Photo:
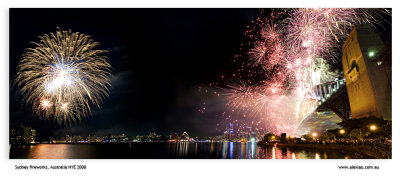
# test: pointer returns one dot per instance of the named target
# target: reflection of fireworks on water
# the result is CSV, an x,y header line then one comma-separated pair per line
x,y
63,75
290,47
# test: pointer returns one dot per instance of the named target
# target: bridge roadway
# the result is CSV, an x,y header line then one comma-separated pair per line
x,y
332,96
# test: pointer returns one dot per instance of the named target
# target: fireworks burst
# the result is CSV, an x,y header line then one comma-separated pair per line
x,y
63,76
293,48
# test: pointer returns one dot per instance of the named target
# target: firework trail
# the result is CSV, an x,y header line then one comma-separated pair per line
x,y
290,47
63,76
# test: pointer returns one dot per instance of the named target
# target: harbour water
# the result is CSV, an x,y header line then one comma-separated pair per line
x,y
172,150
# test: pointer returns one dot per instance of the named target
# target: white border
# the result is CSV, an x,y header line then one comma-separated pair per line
x,y
192,168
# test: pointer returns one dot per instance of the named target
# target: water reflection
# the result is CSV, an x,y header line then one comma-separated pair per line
x,y
230,150
317,156
253,146
182,149
195,150
224,150
273,153
47,151
51,151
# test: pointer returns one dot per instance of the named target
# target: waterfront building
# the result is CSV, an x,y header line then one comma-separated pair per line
x,y
152,135
253,136
76,139
22,135
175,136
16,135
68,139
185,136
91,138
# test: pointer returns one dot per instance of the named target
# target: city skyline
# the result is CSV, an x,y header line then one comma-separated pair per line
x,y
162,97
260,79
237,89
24,137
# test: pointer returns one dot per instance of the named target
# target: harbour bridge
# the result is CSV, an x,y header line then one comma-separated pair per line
x,y
365,90
333,96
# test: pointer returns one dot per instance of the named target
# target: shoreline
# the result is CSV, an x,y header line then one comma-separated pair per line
x,y
361,149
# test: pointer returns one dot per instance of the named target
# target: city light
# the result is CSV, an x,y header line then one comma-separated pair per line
x,y
270,99
371,54
372,127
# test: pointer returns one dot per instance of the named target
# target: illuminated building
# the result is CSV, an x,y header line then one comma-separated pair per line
x,y
152,135
367,70
22,135
76,139
16,135
113,138
185,136
91,138
68,138
175,137
254,136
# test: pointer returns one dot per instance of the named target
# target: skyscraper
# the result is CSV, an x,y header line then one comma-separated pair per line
x,y
22,135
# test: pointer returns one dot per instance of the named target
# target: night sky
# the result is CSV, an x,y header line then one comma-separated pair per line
x,y
159,57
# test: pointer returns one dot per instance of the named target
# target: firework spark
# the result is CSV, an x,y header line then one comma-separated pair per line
x,y
293,52
63,76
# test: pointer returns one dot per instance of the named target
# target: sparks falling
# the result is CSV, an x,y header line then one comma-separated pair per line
x,y
293,48
63,76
